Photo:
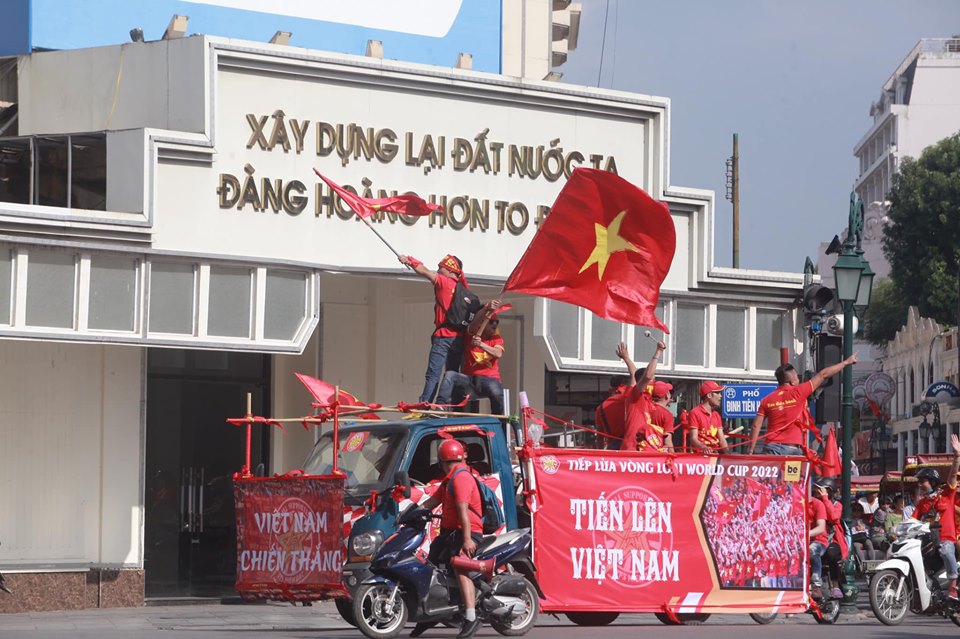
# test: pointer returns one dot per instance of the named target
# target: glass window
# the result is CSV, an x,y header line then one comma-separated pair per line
x,y
171,298
51,283
605,337
229,309
731,323
691,325
286,304
51,167
6,285
769,338
564,322
113,290
88,180
15,171
642,343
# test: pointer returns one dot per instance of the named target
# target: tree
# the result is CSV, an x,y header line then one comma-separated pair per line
x,y
886,314
922,240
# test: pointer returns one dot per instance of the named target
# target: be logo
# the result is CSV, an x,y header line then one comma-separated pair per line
x,y
791,471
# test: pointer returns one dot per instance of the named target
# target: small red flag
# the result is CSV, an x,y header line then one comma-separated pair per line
x,y
366,206
324,393
830,466
606,246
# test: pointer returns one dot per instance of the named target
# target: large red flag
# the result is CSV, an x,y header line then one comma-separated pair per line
x,y
366,206
830,465
606,246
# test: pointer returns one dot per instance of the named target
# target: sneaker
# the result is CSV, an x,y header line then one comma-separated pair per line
x,y
836,593
815,591
469,628
952,593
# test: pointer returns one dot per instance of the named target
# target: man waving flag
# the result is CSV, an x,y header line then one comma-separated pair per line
x,y
606,246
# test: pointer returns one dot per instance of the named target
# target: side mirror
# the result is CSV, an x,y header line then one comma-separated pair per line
x,y
402,478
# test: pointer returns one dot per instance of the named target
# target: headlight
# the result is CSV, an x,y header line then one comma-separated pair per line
x,y
366,544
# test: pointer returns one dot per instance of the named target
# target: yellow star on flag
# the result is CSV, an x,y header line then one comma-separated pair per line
x,y
608,243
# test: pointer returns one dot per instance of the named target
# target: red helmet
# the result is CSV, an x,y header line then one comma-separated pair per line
x,y
451,450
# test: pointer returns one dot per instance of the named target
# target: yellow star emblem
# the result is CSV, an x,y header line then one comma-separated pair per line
x,y
608,243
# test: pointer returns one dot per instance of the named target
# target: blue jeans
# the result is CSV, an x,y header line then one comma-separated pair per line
x,y
949,554
445,355
816,562
783,449
455,387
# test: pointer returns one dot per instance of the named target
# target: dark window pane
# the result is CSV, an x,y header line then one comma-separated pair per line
x,y
15,171
89,172
51,181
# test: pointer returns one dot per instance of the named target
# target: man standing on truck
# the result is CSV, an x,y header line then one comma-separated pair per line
x,y
786,411
481,370
662,417
706,427
640,429
446,343
461,527
610,416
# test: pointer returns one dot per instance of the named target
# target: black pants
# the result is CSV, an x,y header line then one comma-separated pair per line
x,y
448,544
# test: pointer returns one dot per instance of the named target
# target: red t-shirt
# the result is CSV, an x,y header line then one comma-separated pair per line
x,y
664,418
784,409
815,510
465,490
611,414
708,425
443,288
939,507
479,362
639,420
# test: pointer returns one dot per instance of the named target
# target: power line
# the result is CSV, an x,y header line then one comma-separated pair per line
x,y
603,42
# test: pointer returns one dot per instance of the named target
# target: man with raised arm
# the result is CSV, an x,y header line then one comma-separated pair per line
x,y
640,433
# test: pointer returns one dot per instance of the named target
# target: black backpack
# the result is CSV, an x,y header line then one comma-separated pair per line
x,y
464,305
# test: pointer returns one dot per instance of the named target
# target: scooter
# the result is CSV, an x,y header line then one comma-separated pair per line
x,y
825,608
913,578
405,586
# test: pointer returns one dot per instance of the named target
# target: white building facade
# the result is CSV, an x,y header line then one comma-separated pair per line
x,y
166,249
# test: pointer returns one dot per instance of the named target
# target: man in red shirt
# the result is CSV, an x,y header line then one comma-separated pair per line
x,y
610,415
662,417
461,527
481,370
937,505
706,427
817,520
786,410
446,343
640,408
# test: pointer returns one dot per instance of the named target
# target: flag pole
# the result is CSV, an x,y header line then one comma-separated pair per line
x,y
377,233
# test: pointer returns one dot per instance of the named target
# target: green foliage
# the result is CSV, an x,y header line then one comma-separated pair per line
x,y
886,314
922,241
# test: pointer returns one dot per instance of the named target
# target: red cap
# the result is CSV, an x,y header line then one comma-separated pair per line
x,y
709,387
660,389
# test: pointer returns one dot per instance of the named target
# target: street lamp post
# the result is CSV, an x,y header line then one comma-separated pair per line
x,y
851,274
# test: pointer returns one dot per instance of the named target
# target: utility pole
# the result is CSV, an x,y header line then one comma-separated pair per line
x,y
733,195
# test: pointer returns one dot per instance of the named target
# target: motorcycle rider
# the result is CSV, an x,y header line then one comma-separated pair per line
x,y
936,504
461,528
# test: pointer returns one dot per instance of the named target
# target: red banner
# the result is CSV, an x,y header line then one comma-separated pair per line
x,y
684,533
289,537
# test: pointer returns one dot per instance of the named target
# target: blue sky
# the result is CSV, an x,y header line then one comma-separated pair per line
x,y
795,78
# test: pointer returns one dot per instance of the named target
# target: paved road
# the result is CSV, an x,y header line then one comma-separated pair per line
x,y
279,621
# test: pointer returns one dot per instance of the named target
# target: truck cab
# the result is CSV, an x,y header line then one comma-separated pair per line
x,y
376,457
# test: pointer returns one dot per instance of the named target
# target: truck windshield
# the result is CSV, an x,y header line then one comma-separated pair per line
x,y
367,457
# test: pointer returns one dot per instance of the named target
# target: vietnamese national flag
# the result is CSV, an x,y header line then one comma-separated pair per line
x,y
364,207
606,246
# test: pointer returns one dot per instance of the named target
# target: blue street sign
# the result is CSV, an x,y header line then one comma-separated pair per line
x,y
743,400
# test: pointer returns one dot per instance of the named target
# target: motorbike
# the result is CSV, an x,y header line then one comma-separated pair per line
x,y
825,608
913,579
405,586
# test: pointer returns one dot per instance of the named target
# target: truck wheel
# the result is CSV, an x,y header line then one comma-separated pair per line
x,y
376,616
685,618
523,622
763,618
592,618
345,608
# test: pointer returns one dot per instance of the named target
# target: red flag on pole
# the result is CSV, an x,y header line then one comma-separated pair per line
x,y
364,207
324,393
606,246
830,465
